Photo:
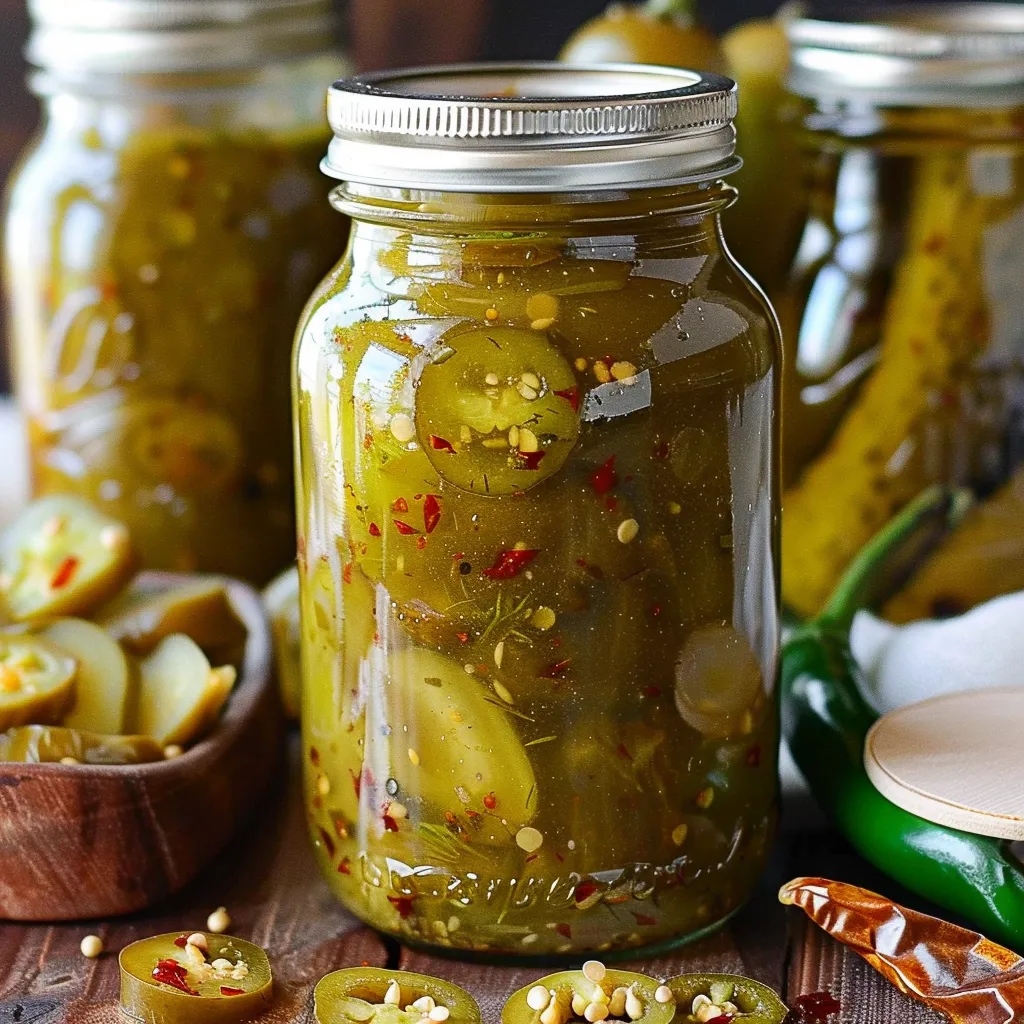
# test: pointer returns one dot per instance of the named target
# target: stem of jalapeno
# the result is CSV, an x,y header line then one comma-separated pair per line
x,y
825,721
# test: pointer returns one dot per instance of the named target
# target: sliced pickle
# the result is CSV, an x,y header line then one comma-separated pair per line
x,y
141,618
359,995
591,994
180,695
281,598
61,556
37,681
497,409
48,744
698,996
168,979
104,675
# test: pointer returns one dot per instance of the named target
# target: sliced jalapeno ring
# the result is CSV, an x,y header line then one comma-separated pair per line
x,y
363,994
37,681
699,996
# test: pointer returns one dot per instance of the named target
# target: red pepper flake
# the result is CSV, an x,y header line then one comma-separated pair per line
x,y
656,610
644,919
439,444
181,941
346,573
170,972
314,757
559,857
572,396
652,691
604,478
421,543
623,752
556,670
345,867
449,817
473,814
400,505
357,782
225,991
533,856
431,513
564,930
816,1007
934,244
490,801
328,840
463,638
611,503
390,825
529,460
65,571
374,530
403,904
593,570
754,756
661,450
509,564
405,529
584,890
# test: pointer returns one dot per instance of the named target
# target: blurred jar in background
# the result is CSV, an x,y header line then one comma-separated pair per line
x,y
164,231
904,314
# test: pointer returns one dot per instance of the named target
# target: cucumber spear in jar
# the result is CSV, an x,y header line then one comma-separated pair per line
x,y
361,995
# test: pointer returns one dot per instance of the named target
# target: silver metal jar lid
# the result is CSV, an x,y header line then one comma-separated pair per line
x,y
533,127
923,54
156,36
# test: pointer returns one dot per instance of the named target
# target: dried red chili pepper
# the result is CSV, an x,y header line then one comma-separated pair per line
x,y
439,444
572,396
403,904
225,991
953,970
511,563
374,530
404,528
431,513
170,972
65,571
181,941
604,478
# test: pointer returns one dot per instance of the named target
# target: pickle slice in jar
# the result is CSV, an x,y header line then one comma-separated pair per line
x,y
194,979
180,694
61,556
592,994
703,997
360,995
497,409
281,599
50,744
140,618
37,681
104,676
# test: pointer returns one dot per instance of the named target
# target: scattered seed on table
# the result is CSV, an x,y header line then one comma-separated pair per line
x,y
219,921
92,946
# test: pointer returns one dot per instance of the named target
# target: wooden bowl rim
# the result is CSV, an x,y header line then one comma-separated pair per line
x,y
255,676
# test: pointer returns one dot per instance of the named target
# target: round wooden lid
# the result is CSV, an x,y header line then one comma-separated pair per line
x,y
956,760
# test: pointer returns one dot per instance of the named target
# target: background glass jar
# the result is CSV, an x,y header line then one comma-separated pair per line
x,y
164,232
536,433
903,318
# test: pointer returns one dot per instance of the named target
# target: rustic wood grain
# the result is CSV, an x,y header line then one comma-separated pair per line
x,y
90,841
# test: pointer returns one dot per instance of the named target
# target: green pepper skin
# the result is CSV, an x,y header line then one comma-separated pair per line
x,y
825,721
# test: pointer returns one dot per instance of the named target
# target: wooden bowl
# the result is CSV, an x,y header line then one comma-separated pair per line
x,y
86,841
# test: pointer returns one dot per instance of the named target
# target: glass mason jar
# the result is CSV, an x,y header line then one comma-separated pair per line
x,y
163,234
903,318
535,411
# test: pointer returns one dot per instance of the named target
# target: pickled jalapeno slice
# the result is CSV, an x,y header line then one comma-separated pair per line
x,y
592,994
496,409
37,681
724,998
360,995
52,744
61,556
202,978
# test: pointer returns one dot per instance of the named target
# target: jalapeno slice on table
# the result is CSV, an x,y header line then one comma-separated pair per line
x,y
592,994
496,410
61,556
194,979
37,681
725,998
360,995
52,744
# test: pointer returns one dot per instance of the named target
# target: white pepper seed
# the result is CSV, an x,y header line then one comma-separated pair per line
x,y
538,998
403,430
594,970
70,760
198,939
219,921
627,531
92,946
617,1003
595,1012
491,379
634,1007
528,440
526,391
663,994
529,839
439,1014
543,618
579,1004
393,996
424,1004
531,380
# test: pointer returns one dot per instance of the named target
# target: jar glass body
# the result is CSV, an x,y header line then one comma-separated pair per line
x,y
163,234
904,335
536,503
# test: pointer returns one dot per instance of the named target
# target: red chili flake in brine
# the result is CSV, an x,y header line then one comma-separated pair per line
x,y
357,782
564,930
328,840
374,530
585,890
754,756
644,919
314,757
390,825
405,529
403,904
181,941
572,396
623,752
225,991
463,638
816,1007
652,691
400,505
604,478
490,801
509,564
556,670
346,573
722,1018
65,571
529,460
439,444
170,972
431,513
421,543
345,867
